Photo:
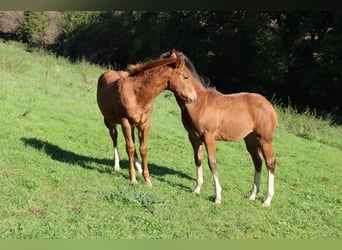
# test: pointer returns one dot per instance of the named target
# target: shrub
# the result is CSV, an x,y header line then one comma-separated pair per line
x,y
32,29
10,22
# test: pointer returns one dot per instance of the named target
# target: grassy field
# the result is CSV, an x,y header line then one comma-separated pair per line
x,y
57,181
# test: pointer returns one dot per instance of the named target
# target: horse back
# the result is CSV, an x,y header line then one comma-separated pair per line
x,y
236,115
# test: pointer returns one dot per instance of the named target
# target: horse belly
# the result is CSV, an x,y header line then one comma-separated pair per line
x,y
233,132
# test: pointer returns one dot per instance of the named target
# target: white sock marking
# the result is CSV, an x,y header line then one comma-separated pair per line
x,y
270,191
256,186
218,190
138,165
199,180
116,159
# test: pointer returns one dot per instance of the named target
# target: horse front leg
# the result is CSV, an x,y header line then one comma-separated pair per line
x,y
130,147
143,135
198,154
209,140
136,159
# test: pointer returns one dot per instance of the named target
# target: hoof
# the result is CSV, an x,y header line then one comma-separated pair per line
x,y
149,183
196,192
251,198
217,201
116,168
265,204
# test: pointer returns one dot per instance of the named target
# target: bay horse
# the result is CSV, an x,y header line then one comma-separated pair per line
x,y
231,117
126,98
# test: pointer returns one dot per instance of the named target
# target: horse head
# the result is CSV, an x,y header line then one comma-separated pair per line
x,y
181,81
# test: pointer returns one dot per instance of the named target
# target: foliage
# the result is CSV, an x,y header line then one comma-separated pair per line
x,y
57,180
292,55
10,21
75,24
31,30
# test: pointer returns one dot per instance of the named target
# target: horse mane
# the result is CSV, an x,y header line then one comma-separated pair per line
x,y
205,81
135,69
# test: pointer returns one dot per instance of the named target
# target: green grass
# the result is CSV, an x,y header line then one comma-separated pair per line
x,y
57,181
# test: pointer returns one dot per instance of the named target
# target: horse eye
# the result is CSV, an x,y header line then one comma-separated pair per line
x,y
185,77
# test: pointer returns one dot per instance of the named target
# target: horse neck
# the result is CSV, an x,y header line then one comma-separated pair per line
x,y
201,92
200,89
152,85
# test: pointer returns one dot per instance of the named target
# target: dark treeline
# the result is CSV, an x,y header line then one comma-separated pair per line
x,y
289,56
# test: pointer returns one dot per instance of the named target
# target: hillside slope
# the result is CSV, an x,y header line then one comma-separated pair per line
x,y
57,181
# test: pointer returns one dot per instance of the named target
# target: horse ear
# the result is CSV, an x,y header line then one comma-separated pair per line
x,y
173,53
180,61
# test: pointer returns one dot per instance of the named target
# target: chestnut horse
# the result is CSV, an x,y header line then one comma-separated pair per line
x,y
232,117
126,98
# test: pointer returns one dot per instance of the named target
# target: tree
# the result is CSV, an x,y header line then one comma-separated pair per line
x,y
32,29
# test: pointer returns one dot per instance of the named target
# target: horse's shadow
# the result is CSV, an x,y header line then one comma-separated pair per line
x,y
101,165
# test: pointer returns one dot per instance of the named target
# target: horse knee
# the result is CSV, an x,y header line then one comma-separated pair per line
x,y
271,163
213,166
143,151
130,148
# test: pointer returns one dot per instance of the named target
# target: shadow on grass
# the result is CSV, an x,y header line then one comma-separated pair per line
x,y
58,154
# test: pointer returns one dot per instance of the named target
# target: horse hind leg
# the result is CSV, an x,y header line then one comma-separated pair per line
x,y
130,147
114,135
137,163
254,150
270,159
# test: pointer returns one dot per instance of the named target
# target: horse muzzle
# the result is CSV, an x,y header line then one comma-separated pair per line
x,y
191,99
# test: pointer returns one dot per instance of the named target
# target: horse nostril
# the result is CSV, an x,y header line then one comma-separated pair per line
x,y
192,99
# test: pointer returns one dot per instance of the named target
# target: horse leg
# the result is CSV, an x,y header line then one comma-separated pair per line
x,y
114,135
209,141
198,153
130,147
254,150
143,134
270,159
137,163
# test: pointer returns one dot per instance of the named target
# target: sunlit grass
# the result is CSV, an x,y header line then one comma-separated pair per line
x,y
57,179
